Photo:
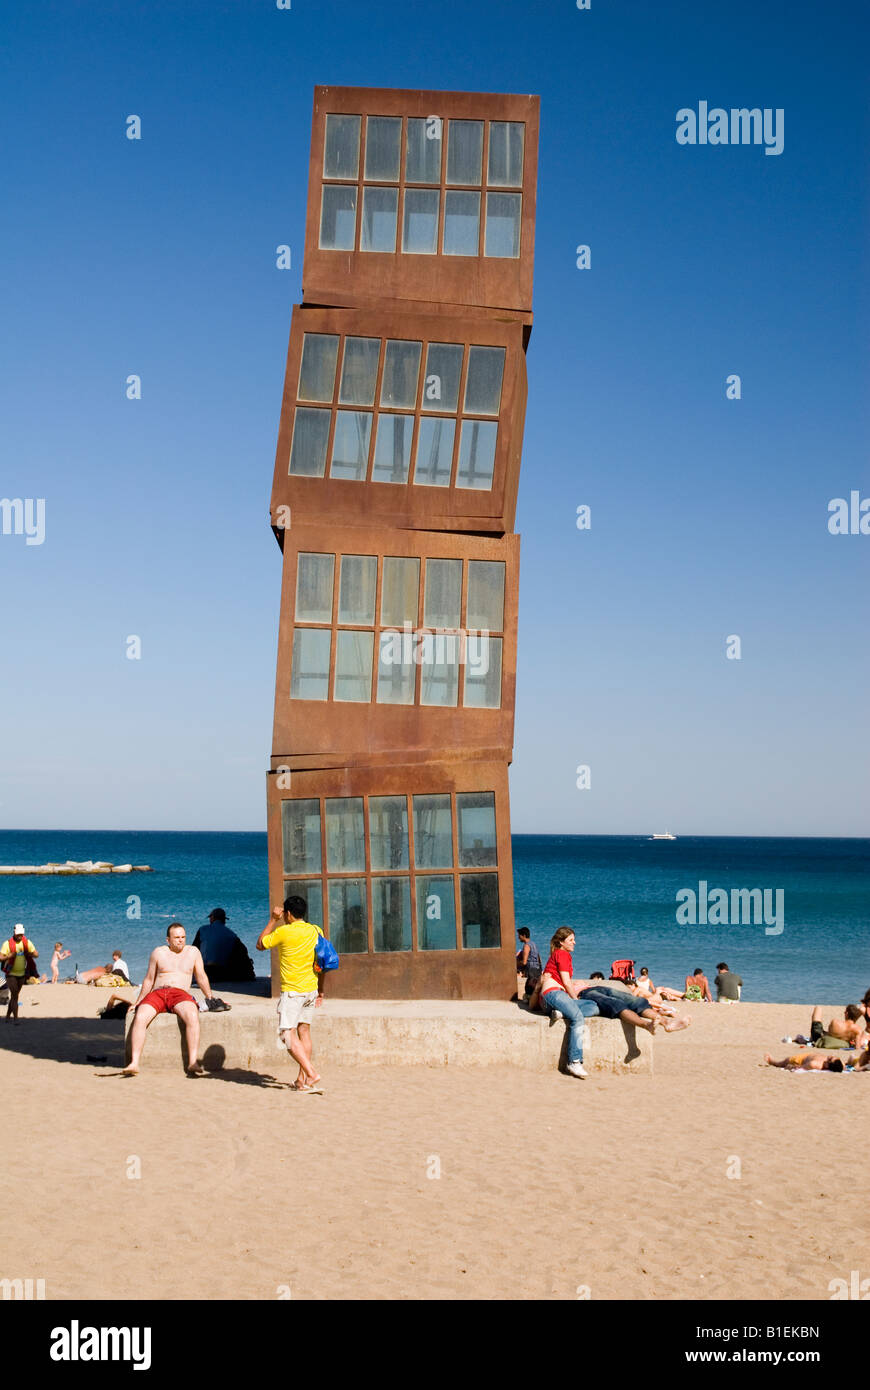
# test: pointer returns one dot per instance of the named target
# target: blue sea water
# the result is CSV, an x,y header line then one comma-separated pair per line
x,y
618,892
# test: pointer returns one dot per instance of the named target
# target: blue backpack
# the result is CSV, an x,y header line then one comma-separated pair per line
x,y
325,955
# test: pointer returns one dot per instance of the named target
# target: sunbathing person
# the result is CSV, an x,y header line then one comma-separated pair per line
x,y
806,1061
617,1002
849,1031
698,987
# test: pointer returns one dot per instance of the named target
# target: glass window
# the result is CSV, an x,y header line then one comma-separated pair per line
x,y
475,814
391,914
396,669
314,577
483,384
433,832
477,454
310,437
505,162
485,607
436,913
401,373
317,372
443,370
439,680
443,593
359,371
311,889
341,147
393,448
388,832
338,217
353,666
379,219
350,445
383,138
480,914
310,677
400,592
483,672
461,224
420,221
503,224
348,923
464,151
356,593
300,829
423,152
345,836
434,459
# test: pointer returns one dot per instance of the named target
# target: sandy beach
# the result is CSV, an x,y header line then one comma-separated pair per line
x,y
550,1188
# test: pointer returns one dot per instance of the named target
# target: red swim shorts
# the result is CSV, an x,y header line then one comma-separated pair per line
x,y
164,1000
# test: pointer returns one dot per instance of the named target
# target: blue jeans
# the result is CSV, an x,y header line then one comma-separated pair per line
x,y
575,1011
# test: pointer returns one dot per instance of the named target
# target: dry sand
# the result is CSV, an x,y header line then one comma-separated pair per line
x,y
547,1185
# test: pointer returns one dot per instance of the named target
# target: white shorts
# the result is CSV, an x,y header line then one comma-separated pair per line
x,y
294,1009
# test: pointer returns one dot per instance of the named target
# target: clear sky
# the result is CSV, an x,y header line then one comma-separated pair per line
x,y
709,516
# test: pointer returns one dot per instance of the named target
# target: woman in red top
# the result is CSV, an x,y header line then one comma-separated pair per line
x,y
559,995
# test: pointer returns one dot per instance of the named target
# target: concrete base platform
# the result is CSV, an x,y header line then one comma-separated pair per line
x,y
422,1032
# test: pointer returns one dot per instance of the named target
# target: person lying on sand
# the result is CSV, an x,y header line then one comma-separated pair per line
x,y
806,1061
87,977
165,989
849,1031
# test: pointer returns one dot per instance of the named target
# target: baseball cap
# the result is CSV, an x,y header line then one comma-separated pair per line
x,y
18,929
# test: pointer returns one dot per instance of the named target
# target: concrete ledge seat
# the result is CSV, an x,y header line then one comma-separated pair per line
x,y
420,1032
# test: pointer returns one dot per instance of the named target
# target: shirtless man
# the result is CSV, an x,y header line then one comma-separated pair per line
x,y
165,990
806,1061
849,1031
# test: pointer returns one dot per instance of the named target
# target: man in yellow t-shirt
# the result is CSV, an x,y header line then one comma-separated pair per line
x,y
19,947
295,939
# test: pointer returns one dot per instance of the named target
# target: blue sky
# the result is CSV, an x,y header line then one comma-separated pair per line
x,y
709,516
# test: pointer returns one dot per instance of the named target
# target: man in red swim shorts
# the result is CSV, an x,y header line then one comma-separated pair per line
x,y
165,990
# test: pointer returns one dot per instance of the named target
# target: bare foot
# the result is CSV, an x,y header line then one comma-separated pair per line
x,y
676,1025
768,1059
196,1070
130,1071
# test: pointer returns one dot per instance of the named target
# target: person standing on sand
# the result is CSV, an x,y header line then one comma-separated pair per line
x,y
301,988
529,965
164,990
57,955
18,955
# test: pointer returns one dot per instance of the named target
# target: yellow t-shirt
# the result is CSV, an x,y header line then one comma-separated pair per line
x,y
295,942
19,963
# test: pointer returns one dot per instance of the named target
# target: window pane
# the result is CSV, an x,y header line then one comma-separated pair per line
x,y
311,889
443,370
348,925
393,449
317,372
391,914
356,594
461,224
353,666
300,828
420,221
396,669
379,219
388,832
480,915
503,224
476,454
483,672
485,608
314,575
464,151
359,371
401,372
338,217
439,681
310,677
310,437
442,599
341,147
423,152
483,384
505,161
434,452
433,832
345,836
436,913
475,813
383,138
350,445
401,588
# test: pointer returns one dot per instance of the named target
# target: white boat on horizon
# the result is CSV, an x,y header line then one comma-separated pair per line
x,y
666,836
